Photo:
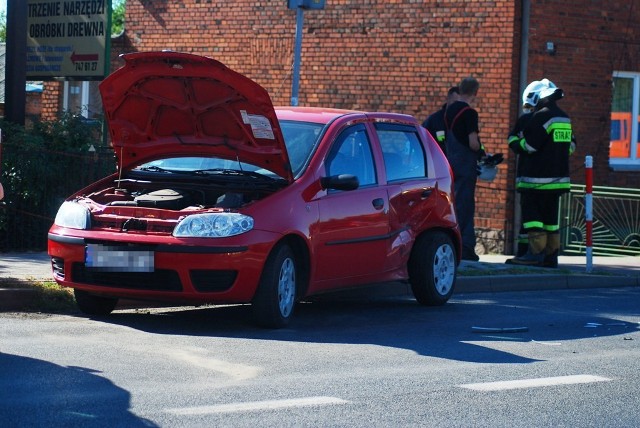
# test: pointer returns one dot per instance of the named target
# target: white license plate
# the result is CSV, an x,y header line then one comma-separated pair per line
x,y
118,259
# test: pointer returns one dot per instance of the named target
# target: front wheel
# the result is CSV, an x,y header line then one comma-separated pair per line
x,y
275,298
432,269
91,304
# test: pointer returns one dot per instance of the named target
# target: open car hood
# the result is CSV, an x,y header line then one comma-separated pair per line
x,y
162,104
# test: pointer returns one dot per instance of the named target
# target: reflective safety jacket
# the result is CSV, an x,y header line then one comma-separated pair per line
x,y
436,127
544,147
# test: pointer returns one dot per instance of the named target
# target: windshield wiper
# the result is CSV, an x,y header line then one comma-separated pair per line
x,y
153,168
234,172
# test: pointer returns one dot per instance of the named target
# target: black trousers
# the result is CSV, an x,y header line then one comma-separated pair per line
x,y
540,211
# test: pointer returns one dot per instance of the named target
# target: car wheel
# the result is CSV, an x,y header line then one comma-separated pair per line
x,y
94,305
275,298
432,269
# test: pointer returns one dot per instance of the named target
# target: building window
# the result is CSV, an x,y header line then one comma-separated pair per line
x,y
83,98
625,105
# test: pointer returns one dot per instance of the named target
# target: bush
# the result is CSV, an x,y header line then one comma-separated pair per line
x,y
41,166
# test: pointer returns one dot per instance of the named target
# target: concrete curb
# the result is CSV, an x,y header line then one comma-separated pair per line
x,y
14,299
489,275
506,283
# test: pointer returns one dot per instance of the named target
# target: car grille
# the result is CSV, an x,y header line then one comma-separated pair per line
x,y
212,280
159,280
58,266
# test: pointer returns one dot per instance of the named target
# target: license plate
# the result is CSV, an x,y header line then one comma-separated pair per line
x,y
118,259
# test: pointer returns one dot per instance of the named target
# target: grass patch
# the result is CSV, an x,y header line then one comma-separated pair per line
x,y
52,298
46,296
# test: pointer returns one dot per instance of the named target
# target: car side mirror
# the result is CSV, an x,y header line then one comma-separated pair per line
x,y
340,182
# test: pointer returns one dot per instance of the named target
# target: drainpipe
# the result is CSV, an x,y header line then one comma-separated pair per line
x,y
524,64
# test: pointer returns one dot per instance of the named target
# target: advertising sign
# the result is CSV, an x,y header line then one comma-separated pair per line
x,y
67,39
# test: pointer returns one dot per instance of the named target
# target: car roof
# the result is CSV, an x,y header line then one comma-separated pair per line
x,y
325,115
311,114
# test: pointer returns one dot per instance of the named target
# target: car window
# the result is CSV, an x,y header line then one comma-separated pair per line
x,y
200,163
351,154
301,139
403,153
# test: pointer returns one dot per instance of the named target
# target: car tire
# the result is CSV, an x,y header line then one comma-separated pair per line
x,y
275,297
432,269
91,304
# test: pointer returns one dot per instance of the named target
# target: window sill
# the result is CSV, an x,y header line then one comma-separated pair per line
x,y
625,166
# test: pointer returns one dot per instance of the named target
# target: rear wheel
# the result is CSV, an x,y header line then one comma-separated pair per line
x,y
275,298
432,269
94,305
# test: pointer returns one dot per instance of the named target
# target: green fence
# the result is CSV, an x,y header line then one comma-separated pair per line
x,y
35,183
616,221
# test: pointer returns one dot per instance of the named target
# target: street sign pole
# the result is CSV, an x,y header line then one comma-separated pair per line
x,y
297,54
14,83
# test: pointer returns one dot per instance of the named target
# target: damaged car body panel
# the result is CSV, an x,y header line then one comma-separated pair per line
x,y
221,198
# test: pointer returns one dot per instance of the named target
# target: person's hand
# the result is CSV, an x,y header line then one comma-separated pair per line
x,y
493,159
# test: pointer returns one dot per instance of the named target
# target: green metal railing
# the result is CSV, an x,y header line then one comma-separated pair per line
x,y
616,221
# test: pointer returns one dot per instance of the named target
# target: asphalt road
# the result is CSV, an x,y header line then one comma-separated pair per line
x,y
526,359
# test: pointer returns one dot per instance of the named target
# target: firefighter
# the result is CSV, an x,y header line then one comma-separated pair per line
x,y
528,104
435,122
545,146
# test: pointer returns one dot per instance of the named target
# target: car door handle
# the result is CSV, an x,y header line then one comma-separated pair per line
x,y
378,203
426,193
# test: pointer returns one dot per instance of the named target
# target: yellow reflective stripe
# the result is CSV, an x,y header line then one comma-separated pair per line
x,y
541,225
560,129
513,138
533,225
543,186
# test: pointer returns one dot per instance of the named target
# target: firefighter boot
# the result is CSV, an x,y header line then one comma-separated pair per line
x,y
523,244
551,250
535,254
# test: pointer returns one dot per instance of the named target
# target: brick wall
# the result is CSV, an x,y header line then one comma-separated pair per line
x,y
592,40
402,55
379,54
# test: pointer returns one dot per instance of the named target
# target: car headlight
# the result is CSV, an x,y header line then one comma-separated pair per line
x,y
213,225
73,215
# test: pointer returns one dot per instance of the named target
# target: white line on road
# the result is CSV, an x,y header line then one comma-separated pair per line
x,y
534,383
257,405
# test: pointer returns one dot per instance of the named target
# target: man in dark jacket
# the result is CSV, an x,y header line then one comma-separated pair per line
x,y
435,122
463,151
546,144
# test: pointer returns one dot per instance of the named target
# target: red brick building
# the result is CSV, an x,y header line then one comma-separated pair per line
x,y
402,55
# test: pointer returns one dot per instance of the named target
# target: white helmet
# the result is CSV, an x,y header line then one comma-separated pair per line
x,y
537,90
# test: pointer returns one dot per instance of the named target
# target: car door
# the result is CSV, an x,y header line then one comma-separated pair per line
x,y
412,194
352,234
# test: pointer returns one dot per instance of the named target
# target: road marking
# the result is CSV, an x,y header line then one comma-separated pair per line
x,y
534,383
234,370
258,405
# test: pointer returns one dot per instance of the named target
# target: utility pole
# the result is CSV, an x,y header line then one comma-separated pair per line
x,y
300,6
16,64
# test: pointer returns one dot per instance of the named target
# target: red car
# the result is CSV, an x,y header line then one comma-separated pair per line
x,y
221,198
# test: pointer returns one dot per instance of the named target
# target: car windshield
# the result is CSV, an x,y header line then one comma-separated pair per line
x,y
300,139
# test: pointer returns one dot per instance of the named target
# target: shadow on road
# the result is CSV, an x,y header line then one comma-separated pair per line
x,y
38,393
444,332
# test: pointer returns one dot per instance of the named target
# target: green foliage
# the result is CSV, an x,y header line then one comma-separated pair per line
x,y
42,166
117,17
3,27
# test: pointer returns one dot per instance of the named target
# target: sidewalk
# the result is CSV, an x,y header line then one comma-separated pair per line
x,y
489,275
